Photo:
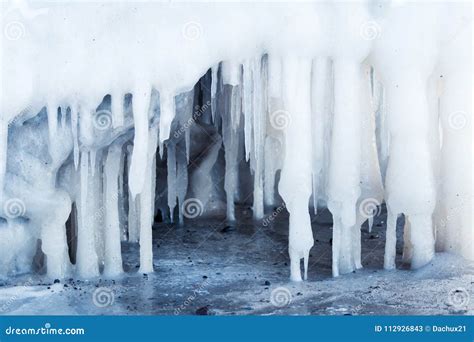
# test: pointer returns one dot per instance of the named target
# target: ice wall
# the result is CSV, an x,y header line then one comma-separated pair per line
x,y
112,112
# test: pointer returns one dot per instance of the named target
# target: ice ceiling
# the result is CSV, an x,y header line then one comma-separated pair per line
x,y
317,104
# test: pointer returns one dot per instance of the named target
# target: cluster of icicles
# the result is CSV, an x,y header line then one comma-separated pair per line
x,y
338,131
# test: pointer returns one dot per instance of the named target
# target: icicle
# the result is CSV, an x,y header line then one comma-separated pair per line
x,y
167,112
133,208
86,258
52,109
454,227
113,254
410,185
214,81
344,169
274,139
247,106
147,205
93,159
230,73
231,145
259,132
371,194
297,190
171,164
141,104
117,109
75,128
182,184
391,240
320,94
95,202
371,223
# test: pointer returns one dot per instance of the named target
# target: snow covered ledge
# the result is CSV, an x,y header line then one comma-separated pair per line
x,y
355,103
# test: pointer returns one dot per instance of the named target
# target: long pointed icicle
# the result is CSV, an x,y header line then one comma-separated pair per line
x,y
319,120
147,205
141,105
167,113
259,131
344,169
297,190
113,254
133,208
87,261
247,106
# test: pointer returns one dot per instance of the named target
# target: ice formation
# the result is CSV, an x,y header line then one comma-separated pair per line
x,y
113,112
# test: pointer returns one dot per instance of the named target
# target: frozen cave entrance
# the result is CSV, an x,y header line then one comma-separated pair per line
x,y
207,176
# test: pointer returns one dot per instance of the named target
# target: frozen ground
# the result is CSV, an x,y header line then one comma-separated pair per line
x,y
213,268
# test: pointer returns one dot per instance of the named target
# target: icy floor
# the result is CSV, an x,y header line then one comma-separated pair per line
x,y
212,268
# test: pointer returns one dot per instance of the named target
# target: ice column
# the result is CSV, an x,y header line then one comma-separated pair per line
x,y
344,168
410,187
141,105
320,104
113,254
296,176
147,201
86,258
231,76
